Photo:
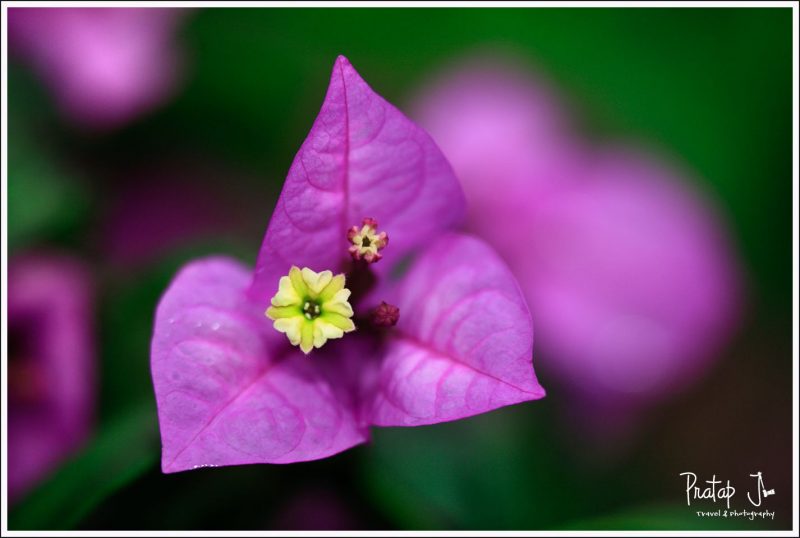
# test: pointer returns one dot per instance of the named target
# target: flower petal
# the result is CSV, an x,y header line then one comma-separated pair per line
x,y
362,158
336,284
316,282
464,341
338,304
323,331
228,389
298,283
337,320
287,295
292,326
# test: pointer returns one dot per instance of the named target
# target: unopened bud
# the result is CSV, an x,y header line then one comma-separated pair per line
x,y
385,315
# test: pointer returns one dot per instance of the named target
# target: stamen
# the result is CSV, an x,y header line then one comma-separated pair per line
x,y
311,310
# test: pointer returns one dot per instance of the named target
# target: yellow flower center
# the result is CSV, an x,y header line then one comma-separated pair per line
x,y
311,308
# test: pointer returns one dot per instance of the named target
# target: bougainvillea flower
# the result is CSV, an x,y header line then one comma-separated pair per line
x,y
232,383
626,267
50,365
105,65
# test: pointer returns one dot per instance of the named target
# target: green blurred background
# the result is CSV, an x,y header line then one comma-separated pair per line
x,y
709,86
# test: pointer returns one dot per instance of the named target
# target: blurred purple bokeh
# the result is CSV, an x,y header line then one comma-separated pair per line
x,y
629,272
105,66
51,364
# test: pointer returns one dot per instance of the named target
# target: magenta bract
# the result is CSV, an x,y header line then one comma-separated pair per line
x,y
232,390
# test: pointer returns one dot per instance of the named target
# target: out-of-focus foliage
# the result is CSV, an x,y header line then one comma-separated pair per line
x,y
45,200
117,455
666,517
487,472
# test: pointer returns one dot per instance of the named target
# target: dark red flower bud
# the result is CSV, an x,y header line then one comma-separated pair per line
x,y
385,315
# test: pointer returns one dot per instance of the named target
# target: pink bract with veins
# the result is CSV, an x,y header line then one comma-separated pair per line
x,y
230,388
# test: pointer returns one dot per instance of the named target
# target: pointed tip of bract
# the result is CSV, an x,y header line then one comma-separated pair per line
x,y
341,75
167,467
342,61
343,66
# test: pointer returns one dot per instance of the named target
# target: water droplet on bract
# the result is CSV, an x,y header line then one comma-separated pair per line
x,y
215,327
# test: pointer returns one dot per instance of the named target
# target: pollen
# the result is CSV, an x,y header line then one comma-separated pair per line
x,y
366,241
311,308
